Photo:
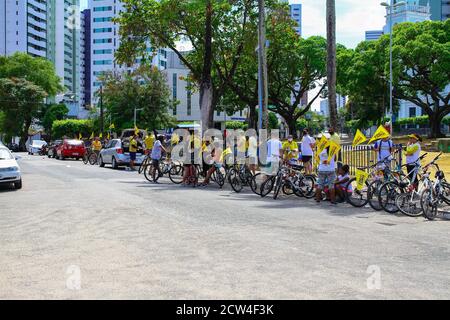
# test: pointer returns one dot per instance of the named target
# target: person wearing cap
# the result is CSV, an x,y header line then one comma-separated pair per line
x,y
413,150
290,149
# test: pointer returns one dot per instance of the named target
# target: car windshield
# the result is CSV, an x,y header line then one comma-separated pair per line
x,y
75,142
5,154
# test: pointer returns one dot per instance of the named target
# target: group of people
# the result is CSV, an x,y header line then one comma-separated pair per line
x,y
332,175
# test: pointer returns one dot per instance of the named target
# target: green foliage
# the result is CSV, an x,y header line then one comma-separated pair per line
x,y
52,113
316,123
72,128
273,121
236,125
146,88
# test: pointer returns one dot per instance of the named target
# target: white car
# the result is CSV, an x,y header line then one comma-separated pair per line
x,y
9,169
36,146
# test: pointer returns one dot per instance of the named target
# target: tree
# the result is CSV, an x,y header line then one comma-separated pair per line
x,y
72,128
20,102
421,60
145,88
163,23
357,68
25,83
331,62
52,113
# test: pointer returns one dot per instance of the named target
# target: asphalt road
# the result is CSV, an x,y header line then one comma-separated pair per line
x,y
82,232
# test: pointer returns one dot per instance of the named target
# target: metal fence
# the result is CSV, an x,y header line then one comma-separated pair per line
x,y
362,156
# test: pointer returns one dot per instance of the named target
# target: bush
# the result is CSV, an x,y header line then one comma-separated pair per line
x,y
234,125
72,128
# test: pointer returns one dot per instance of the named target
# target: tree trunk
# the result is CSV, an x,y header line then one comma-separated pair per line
x,y
435,119
253,118
292,125
206,86
331,63
24,135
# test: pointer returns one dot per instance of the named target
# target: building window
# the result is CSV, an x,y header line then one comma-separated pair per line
x,y
412,112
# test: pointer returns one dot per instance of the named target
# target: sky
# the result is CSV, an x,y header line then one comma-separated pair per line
x,y
353,19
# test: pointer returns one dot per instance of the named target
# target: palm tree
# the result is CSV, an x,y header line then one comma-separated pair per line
x,y
331,62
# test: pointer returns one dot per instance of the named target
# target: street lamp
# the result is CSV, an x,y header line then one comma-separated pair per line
x,y
135,111
385,4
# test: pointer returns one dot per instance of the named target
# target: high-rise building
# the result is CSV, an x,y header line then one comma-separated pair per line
x,y
85,58
47,29
296,15
406,11
340,101
105,41
373,35
439,9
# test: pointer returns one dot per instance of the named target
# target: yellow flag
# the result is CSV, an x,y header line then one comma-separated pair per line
x,y
112,126
109,136
381,133
225,152
175,139
322,144
80,136
92,136
359,138
136,130
101,135
334,149
361,178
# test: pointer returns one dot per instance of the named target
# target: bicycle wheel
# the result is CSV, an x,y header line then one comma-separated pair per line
x,y
306,186
374,191
144,164
93,159
446,192
388,193
218,177
255,183
357,198
288,189
235,181
151,173
409,204
429,206
86,158
176,174
267,186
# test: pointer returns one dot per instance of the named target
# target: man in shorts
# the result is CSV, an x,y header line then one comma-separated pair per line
x,y
326,176
308,145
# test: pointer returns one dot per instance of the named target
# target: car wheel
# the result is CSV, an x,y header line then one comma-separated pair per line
x,y
114,163
18,185
101,164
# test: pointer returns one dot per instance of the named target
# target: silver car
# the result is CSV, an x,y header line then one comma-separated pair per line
x,y
117,155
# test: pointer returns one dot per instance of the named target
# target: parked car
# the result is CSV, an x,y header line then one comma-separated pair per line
x,y
126,135
14,147
51,152
9,169
36,146
71,149
115,154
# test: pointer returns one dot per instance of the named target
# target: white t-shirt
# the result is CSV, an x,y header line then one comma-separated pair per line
x,y
385,149
307,141
252,147
273,150
330,167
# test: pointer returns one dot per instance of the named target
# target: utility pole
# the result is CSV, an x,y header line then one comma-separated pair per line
x,y
262,68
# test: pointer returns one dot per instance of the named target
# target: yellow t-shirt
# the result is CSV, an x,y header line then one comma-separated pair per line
x,y
133,145
290,149
242,144
149,141
97,145
175,139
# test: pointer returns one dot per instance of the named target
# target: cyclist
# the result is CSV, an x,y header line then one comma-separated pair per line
x,y
96,146
384,149
133,149
413,150
308,145
157,154
290,149
341,183
326,176
148,142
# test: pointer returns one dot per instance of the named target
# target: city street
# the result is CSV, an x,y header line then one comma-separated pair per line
x,y
130,239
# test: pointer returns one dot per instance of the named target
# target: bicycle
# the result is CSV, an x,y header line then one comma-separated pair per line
x,y
90,157
436,196
390,190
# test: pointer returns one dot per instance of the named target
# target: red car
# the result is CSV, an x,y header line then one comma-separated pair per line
x,y
71,149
